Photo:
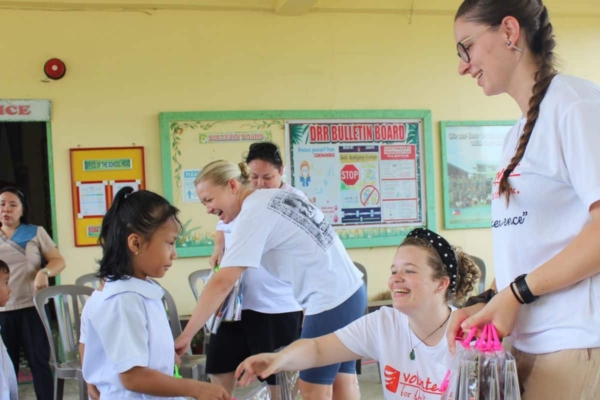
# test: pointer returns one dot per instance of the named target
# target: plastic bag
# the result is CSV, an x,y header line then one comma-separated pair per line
x,y
287,386
231,308
481,372
260,393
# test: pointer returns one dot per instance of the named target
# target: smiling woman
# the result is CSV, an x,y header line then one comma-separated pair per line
x,y
284,233
549,172
408,339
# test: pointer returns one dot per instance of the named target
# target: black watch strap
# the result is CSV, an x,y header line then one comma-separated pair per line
x,y
523,289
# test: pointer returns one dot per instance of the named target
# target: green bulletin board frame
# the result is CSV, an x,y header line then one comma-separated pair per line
x,y
470,217
169,120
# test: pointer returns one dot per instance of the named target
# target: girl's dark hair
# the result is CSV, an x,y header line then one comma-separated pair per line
x,y
19,193
141,212
534,19
265,151
468,271
4,267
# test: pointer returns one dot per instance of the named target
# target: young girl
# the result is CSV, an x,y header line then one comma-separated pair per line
x,y
271,316
408,339
129,344
291,238
546,200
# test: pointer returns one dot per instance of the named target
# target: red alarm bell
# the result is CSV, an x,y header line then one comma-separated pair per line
x,y
55,68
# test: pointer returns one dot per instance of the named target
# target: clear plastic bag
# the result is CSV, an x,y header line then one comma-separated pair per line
x,y
481,372
231,308
287,386
262,392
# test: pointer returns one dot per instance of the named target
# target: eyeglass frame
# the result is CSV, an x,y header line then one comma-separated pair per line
x,y
461,44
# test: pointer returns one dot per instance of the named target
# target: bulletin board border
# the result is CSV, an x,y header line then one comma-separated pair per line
x,y
166,118
448,224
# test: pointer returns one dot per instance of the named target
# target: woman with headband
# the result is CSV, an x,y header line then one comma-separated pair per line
x,y
427,273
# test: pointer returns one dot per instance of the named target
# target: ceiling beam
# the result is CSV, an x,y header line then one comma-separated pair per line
x,y
294,7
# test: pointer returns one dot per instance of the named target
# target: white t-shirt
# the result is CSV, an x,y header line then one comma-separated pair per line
x,y
554,186
127,328
9,389
293,241
261,291
385,336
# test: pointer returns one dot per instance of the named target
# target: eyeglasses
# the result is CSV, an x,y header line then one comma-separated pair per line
x,y
462,50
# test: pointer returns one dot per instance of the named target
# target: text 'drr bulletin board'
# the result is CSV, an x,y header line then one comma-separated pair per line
x,y
97,174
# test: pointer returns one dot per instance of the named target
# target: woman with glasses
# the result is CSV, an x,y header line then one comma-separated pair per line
x,y
545,201
271,316
290,237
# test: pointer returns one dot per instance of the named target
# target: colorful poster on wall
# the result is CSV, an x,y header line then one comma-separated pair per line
x,y
360,173
471,153
188,187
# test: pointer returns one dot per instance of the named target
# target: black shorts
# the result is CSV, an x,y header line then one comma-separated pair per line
x,y
255,333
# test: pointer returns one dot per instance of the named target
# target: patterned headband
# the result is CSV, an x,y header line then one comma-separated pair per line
x,y
443,248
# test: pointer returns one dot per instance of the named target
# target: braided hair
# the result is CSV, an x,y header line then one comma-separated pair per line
x,y
533,17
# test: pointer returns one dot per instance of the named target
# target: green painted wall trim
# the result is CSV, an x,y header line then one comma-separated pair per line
x,y
51,185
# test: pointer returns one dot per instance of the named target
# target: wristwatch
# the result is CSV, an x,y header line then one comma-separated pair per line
x,y
46,271
523,289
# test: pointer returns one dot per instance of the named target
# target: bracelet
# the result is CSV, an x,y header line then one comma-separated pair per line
x,y
46,271
483,297
512,289
523,289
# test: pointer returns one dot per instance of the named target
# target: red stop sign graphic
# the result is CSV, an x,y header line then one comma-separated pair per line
x,y
349,174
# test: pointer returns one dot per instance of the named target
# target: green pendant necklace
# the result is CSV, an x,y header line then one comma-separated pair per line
x,y
412,350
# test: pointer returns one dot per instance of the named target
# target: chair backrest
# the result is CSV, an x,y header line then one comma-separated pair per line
x,y
362,269
481,264
89,280
172,314
68,304
194,277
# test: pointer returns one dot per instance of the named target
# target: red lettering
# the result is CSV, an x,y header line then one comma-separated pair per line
x,y
24,110
395,131
369,133
313,134
12,110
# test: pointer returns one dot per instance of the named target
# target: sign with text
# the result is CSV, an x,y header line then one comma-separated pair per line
x,y
360,173
24,110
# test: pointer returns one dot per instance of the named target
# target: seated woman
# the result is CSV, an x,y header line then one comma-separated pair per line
x,y
408,339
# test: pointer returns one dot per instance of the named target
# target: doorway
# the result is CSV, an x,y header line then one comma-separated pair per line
x,y
24,163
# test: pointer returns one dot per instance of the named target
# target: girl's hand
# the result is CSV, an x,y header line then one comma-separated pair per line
x,y
456,319
182,343
260,365
215,259
41,281
501,311
93,392
209,391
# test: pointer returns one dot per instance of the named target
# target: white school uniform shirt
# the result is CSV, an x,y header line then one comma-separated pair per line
x,y
88,308
385,336
8,380
261,291
127,328
554,186
292,240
